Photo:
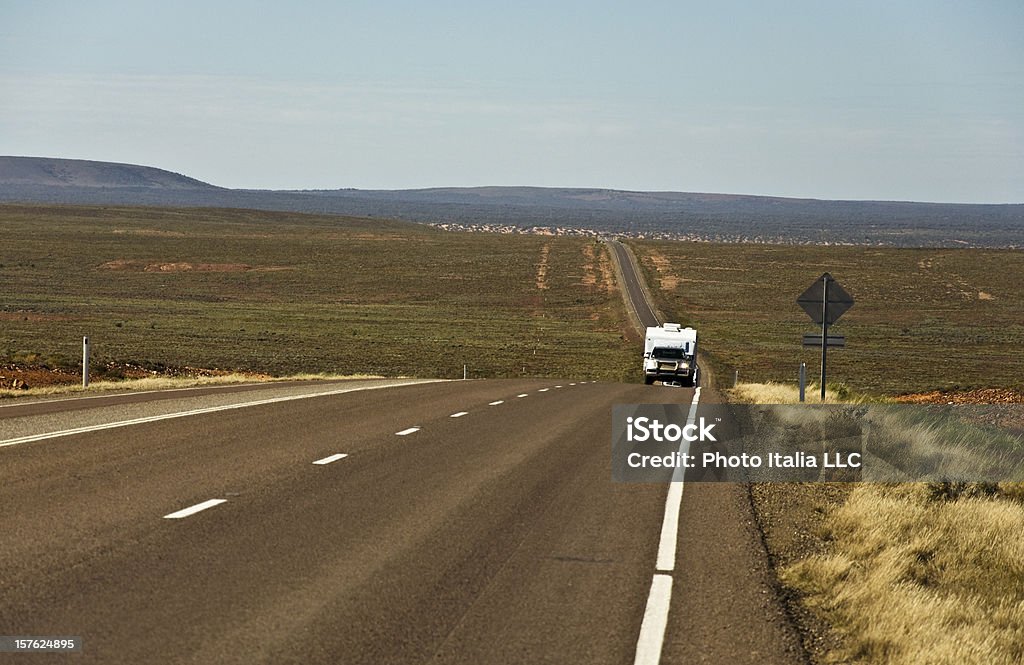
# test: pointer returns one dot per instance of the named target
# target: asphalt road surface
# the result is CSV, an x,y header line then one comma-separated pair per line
x,y
496,536
633,287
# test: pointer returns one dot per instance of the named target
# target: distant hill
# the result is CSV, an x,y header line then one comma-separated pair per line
x,y
559,197
47,172
673,215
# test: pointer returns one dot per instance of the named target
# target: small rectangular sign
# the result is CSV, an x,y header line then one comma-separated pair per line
x,y
833,340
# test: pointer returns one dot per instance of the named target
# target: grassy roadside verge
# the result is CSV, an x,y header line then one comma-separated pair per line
x,y
169,383
907,577
896,573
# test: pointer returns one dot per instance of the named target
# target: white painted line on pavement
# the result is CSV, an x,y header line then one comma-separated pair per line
x,y
500,401
684,445
331,458
196,412
544,390
459,414
572,384
670,522
407,432
192,510
670,529
652,630
558,386
523,395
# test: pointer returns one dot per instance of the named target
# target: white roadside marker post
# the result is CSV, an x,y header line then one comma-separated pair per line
x,y
85,362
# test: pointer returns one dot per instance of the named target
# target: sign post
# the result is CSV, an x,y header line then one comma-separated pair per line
x,y
825,279
825,301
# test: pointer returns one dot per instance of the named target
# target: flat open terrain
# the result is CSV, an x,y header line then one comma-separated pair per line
x,y
286,292
924,319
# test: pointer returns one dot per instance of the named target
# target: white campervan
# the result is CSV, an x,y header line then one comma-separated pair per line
x,y
670,355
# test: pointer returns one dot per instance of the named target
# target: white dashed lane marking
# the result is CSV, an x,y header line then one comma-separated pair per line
x,y
459,414
192,510
500,401
332,458
406,432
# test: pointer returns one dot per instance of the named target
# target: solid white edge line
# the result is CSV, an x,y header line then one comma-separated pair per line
x,y
331,458
192,510
408,431
652,630
459,414
684,445
195,412
670,529
500,401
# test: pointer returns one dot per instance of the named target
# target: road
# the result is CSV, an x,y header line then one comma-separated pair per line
x,y
370,522
633,287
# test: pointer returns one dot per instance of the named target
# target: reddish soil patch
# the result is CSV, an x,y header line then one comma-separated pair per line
x,y
19,378
197,267
22,377
669,280
179,266
123,264
542,268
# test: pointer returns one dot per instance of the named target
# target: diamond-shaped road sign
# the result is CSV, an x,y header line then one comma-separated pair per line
x,y
812,300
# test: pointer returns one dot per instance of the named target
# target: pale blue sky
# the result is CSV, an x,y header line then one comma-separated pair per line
x,y
914,100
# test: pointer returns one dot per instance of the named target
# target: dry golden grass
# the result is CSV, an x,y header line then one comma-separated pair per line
x,y
777,393
170,383
916,573
911,579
